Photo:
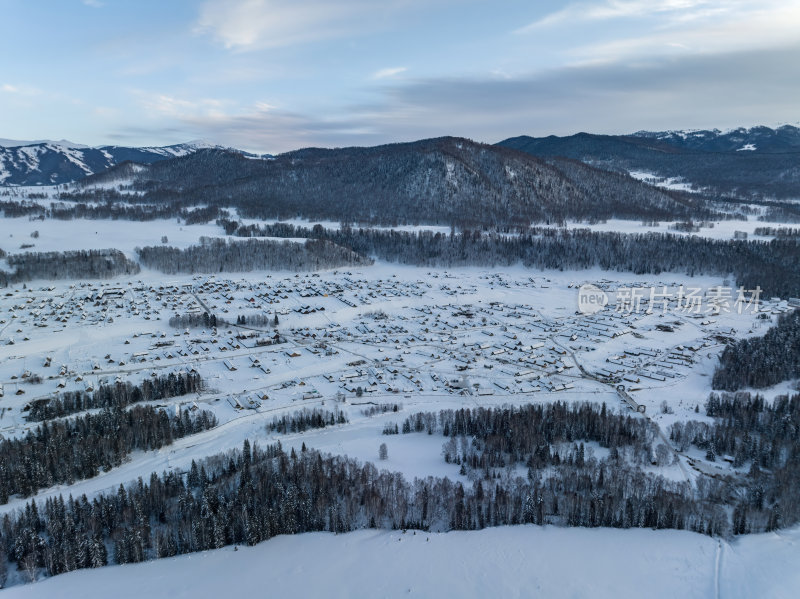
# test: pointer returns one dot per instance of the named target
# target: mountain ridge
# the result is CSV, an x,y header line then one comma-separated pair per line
x,y
55,163
747,164
445,180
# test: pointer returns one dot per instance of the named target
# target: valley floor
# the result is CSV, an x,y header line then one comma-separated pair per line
x,y
386,336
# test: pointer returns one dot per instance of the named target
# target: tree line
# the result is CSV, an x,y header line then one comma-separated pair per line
x,y
108,204
762,361
63,451
196,321
777,231
526,434
206,320
16,209
761,438
770,265
117,395
257,320
73,264
220,255
253,494
305,420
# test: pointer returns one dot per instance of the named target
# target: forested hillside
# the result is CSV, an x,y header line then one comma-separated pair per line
x,y
442,181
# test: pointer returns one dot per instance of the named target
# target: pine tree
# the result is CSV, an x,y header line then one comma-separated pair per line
x,y
246,456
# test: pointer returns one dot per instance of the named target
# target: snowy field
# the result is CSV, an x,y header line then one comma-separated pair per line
x,y
87,234
676,183
522,561
724,229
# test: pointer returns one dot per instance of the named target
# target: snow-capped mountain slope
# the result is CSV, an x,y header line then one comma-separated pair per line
x,y
744,163
761,139
13,143
52,163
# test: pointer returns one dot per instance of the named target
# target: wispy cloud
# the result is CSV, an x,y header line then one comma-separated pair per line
x,y
94,3
388,72
249,24
619,9
260,126
770,25
702,91
276,75
163,105
21,90
258,24
690,91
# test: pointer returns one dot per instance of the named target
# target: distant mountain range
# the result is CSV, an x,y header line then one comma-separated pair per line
x,y
56,162
756,139
13,143
446,180
755,163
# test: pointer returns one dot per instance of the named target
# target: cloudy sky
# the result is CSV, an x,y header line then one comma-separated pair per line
x,y
271,75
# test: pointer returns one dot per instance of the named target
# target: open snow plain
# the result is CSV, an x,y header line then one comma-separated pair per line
x,y
520,561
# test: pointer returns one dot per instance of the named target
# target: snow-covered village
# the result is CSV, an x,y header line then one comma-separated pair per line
x,y
406,299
